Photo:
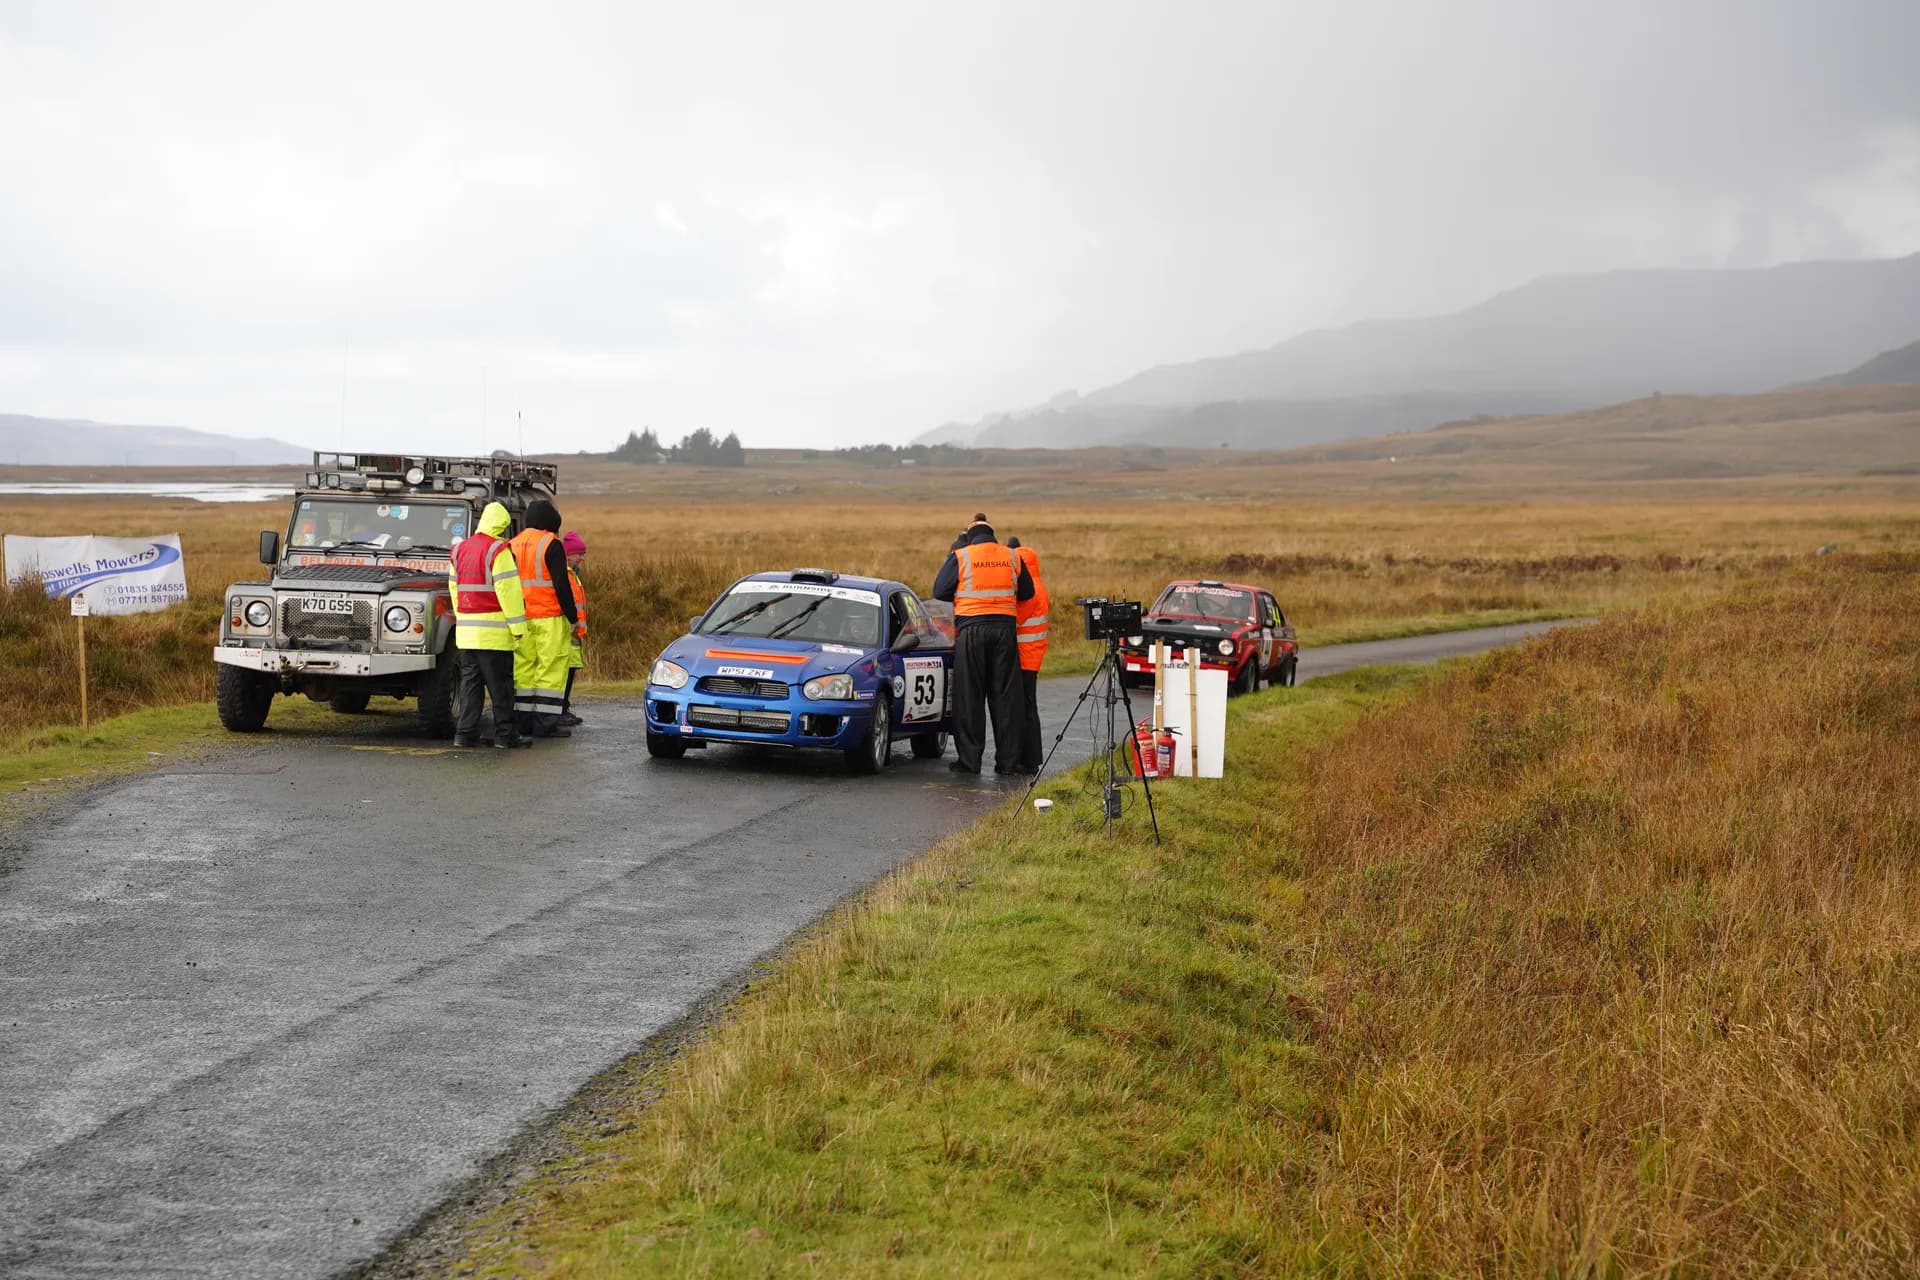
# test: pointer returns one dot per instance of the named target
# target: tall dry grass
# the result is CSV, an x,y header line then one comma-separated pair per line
x,y
1340,569
1620,949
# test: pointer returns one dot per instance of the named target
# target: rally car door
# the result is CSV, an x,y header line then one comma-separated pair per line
x,y
923,675
1269,633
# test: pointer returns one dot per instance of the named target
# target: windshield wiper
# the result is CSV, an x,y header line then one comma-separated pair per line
x,y
423,546
789,624
355,542
749,611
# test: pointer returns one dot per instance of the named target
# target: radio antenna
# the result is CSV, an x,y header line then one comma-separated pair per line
x,y
343,394
523,432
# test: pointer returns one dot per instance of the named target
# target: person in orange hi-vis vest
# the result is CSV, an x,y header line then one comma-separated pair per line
x,y
1030,631
986,585
540,659
576,548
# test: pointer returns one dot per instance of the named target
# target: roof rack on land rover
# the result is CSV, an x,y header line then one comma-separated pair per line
x,y
388,472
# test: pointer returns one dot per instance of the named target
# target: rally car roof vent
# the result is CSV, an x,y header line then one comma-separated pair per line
x,y
813,575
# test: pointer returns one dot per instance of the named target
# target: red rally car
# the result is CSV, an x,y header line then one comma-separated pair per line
x,y
1240,629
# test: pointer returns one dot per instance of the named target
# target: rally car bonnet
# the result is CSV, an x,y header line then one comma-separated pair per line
x,y
753,658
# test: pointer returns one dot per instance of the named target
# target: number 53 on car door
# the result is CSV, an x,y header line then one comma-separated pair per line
x,y
926,689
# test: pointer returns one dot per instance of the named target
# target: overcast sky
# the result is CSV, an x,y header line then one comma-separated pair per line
x,y
831,223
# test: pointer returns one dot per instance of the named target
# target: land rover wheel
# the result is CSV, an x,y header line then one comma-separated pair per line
x,y
871,756
661,747
439,695
929,746
243,698
350,704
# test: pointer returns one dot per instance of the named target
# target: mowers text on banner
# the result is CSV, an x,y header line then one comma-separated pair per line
x,y
119,575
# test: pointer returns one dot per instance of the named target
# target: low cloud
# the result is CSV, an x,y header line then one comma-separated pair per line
x,y
824,224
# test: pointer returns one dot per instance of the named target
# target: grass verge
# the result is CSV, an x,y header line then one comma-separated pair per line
x,y
1591,958
1036,1051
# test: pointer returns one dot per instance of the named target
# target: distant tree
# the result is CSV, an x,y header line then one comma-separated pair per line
x,y
643,446
696,449
730,454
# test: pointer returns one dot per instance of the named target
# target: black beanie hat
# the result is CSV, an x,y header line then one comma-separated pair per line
x,y
543,515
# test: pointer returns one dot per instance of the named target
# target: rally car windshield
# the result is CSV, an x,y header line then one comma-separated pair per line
x,y
374,525
1223,603
797,611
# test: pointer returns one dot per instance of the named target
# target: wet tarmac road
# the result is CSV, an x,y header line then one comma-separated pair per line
x,y
236,1041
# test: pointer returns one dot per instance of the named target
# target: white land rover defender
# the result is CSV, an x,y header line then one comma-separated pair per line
x,y
358,603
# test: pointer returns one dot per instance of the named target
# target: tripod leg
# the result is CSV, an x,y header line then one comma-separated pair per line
x,y
1060,737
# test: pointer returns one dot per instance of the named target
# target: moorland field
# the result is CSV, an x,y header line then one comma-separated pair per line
x,y
1353,551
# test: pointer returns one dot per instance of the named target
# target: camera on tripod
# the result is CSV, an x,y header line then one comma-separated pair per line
x,y
1110,619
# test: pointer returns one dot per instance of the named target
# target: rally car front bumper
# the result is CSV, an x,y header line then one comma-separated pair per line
x,y
793,722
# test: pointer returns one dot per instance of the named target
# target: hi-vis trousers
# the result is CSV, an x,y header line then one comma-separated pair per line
x,y
540,674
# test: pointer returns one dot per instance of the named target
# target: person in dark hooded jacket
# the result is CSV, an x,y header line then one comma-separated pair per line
x,y
542,655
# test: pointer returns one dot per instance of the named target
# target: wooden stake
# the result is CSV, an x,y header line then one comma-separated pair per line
x,y
1159,703
81,622
1193,713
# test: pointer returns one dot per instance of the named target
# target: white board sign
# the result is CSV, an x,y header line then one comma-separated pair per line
x,y
118,575
1204,713
77,606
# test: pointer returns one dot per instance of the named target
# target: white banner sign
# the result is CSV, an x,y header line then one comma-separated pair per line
x,y
118,575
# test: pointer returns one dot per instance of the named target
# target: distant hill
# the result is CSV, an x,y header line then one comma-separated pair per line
x,y
56,442
1560,342
1869,430
1902,364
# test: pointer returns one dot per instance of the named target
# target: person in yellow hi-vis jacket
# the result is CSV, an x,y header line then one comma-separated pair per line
x,y
576,549
489,618
540,659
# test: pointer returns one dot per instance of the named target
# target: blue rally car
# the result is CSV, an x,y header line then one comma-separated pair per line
x,y
808,658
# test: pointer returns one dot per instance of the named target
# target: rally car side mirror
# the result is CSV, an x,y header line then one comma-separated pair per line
x,y
905,642
269,546
693,623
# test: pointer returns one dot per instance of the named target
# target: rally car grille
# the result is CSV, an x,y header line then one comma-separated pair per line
x,y
729,718
301,625
735,687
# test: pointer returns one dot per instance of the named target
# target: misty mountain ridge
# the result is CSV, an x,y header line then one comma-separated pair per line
x,y
56,442
1558,343
1902,364
1805,431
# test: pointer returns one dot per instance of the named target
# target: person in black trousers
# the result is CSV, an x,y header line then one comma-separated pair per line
x,y
985,583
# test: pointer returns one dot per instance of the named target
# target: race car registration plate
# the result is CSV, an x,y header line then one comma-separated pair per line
x,y
327,604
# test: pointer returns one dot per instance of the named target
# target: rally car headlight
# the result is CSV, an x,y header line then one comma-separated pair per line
x,y
259,613
1136,641
1226,646
829,688
399,618
670,674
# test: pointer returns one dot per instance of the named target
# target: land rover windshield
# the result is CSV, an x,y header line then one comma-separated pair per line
x,y
797,611
375,525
